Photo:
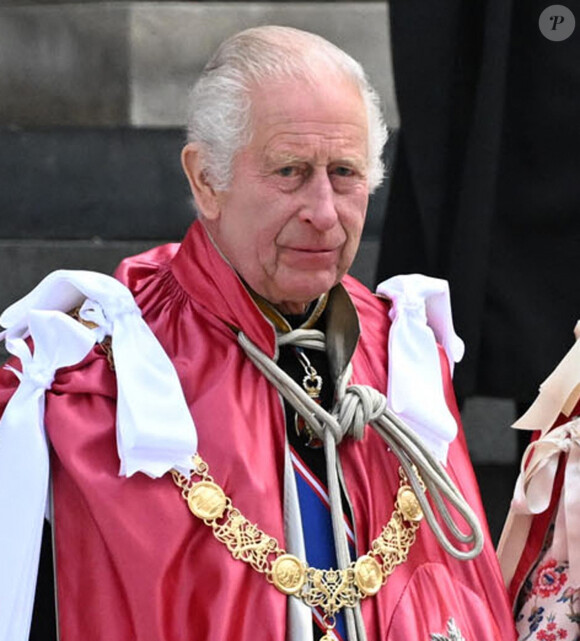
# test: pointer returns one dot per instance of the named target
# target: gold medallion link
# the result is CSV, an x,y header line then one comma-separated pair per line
x,y
409,505
288,574
207,500
368,575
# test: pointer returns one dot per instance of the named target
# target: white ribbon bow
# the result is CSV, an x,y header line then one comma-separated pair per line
x,y
154,432
24,462
421,318
533,493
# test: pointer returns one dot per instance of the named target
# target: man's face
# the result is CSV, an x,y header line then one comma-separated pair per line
x,y
291,220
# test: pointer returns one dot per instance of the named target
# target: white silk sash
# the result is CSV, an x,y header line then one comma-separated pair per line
x,y
533,493
155,432
24,462
421,318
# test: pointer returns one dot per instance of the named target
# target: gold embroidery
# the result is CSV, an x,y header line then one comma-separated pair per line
x,y
274,316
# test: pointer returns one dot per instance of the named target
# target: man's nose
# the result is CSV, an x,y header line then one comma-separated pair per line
x,y
319,207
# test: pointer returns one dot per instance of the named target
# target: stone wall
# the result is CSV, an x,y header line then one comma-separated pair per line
x,y
92,103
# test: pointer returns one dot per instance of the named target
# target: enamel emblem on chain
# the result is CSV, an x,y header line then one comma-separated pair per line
x,y
330,590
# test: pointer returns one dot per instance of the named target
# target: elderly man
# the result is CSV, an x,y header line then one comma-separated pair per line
x,y
282,361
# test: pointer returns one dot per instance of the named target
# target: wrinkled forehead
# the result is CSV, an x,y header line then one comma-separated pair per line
x,y
290,110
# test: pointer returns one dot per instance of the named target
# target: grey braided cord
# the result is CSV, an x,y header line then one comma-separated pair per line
x,y
359,405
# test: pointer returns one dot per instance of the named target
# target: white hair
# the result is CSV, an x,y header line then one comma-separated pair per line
x,y
219,116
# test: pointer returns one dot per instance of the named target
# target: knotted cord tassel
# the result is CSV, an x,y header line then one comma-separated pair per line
x,y
360,403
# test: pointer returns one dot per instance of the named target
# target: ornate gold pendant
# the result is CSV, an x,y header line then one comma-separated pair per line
x,y
312,384
306,433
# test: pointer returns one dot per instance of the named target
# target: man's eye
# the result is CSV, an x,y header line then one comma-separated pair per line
x,y
288,172
343,171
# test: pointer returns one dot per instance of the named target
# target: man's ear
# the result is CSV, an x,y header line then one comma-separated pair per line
x,y
204,194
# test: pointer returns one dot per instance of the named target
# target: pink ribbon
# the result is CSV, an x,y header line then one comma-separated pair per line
x,y
533,493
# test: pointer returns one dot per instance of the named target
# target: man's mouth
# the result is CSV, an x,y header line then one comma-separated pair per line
x,y
311,257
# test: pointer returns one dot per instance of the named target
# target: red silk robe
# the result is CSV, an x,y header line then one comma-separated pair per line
x,y
132,563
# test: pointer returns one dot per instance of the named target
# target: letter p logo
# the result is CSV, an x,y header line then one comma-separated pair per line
x,y
557,22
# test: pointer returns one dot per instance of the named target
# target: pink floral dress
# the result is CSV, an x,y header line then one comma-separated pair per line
x,y
549,605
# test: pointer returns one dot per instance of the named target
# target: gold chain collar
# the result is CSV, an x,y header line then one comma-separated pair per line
x,y
331,590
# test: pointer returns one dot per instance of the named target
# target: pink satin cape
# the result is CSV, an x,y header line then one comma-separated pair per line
x,y
132,563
